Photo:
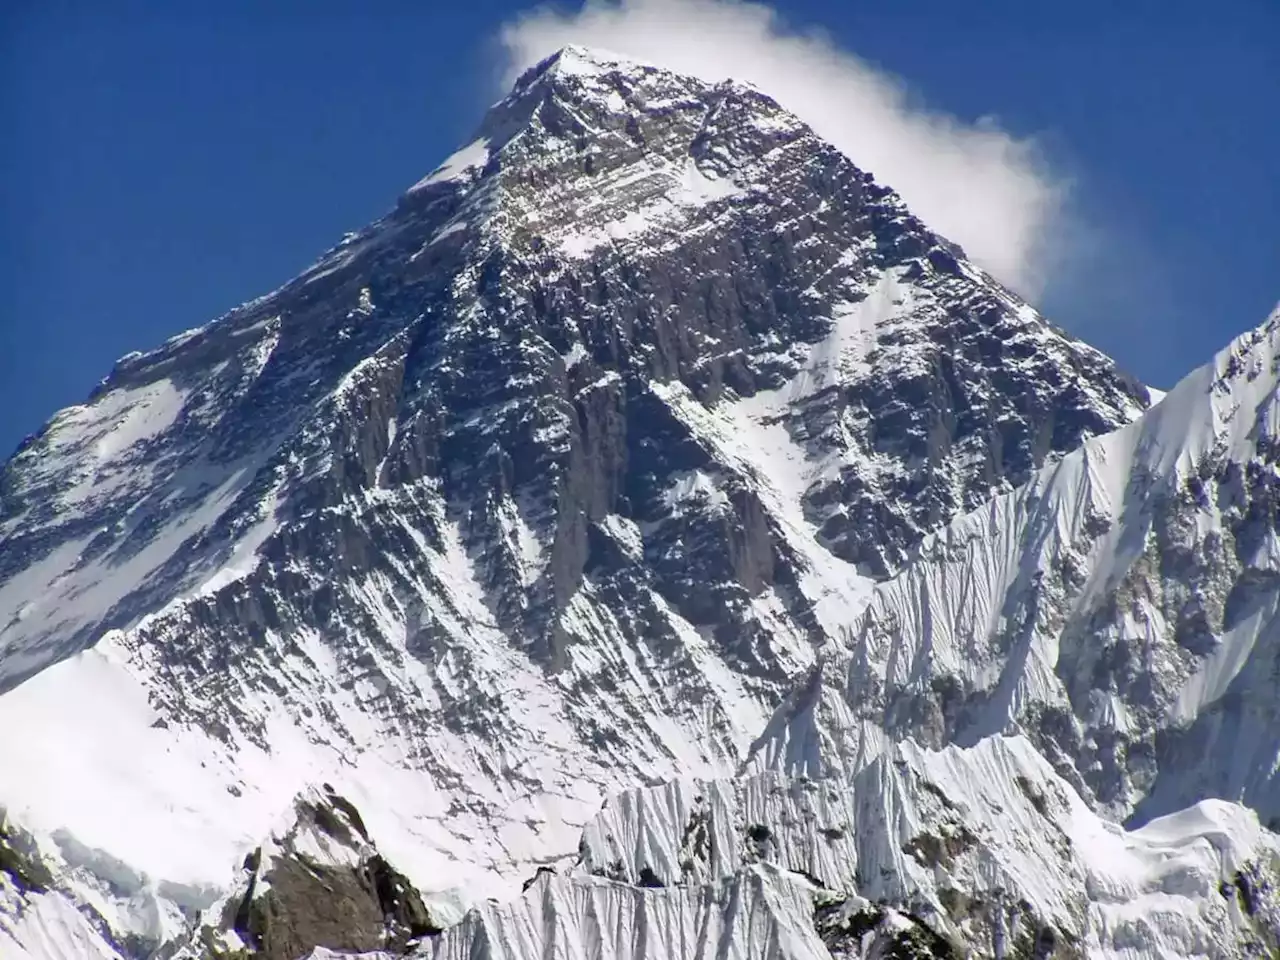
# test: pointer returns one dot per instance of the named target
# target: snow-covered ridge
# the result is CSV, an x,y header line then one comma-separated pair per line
x,y
980,850
581,61
60,898
752,914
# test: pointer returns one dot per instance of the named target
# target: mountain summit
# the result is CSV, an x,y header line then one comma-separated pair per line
x,y
596,453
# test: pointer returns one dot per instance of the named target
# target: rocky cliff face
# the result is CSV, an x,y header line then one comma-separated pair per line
x,y
565,476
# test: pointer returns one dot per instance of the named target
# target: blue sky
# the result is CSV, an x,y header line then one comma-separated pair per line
x,y
164,162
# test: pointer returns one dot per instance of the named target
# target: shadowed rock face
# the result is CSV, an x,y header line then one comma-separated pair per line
x,y
554,478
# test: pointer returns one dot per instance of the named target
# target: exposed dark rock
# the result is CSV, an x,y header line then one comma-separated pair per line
x,y
292,902
940,849
648,878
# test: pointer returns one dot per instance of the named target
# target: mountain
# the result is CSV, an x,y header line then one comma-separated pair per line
x,y
642,441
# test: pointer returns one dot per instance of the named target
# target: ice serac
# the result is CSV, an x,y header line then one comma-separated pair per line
x,y
63,900
1120,609
984,846
554,480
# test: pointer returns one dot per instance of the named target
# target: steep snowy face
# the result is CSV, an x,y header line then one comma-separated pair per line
x,y
547,483
986,846
1121,609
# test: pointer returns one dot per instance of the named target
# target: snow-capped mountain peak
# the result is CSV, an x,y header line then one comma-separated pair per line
x,y
553,482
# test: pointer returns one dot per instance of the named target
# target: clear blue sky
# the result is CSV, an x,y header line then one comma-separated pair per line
x,y
165,161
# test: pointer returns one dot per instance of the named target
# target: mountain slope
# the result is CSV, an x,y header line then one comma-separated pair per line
x,y
963,852
1120,609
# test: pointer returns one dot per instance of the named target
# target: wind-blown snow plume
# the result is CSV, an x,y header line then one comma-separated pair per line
x,y
975,183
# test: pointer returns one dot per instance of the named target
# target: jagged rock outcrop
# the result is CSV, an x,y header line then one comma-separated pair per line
x,y
321,883
20,859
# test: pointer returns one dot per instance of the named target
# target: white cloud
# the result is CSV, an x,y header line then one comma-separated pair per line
x,y
974,183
